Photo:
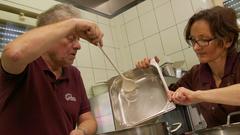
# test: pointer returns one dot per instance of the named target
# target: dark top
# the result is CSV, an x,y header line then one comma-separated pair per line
x,y
35,103
200,78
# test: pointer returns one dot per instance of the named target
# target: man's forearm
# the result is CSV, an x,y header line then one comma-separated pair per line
x,y
29,46
89,127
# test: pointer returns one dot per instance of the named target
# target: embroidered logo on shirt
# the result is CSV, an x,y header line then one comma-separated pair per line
x,y
69,97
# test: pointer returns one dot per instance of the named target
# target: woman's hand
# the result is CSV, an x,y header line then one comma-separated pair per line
x,y
183,96
145,62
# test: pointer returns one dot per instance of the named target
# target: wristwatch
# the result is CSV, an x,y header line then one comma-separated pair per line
x,y
83,130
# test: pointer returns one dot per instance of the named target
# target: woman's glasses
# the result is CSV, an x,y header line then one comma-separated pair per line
x,y
200,42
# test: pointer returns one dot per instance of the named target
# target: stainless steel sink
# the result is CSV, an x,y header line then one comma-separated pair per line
x,y
149,100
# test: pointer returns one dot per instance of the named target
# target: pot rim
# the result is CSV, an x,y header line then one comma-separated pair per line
x,y
237,124
138,126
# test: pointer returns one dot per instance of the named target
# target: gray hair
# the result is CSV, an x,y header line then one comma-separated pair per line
x,y
58,13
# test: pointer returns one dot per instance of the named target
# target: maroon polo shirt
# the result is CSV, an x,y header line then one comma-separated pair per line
x,y
35,103
200,78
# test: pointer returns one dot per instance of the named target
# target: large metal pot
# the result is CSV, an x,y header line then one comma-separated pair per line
x,y
228,129
160,128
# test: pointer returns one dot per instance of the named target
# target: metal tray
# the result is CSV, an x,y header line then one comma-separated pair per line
x,y
148,101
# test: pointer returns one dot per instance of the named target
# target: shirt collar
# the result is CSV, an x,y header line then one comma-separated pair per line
x,y
44,67
206,73
231,60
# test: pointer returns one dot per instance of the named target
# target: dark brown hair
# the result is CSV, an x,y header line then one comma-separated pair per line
x,y
222,22
58,13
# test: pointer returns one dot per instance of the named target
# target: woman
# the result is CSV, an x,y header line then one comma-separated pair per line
x,y
213,34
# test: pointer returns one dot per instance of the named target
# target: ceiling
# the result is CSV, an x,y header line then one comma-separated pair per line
x,y
106,8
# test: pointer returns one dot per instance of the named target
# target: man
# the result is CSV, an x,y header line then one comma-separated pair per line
x,y
40,92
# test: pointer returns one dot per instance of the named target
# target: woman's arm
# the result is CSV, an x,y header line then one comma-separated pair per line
x,y
229,95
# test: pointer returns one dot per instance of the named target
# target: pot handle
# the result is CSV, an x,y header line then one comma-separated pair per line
x,y
229,116
178,124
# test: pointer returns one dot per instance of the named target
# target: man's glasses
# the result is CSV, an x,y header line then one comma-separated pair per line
x,y
201,42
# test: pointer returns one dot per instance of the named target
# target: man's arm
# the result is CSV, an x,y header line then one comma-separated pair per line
x,y
31,45
87,125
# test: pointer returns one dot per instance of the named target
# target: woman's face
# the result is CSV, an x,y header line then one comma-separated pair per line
x,y
210,48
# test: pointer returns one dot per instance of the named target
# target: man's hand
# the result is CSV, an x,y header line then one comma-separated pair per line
x,y
77,132
89,31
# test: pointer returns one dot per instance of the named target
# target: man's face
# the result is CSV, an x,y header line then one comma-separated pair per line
x,y
65,51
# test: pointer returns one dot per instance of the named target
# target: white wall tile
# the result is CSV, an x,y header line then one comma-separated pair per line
x,y
114,29
103,20
181,27
157,3
124,41
88,79
130,14
148,24
201,4
119,57
83,56
170,40
144,7
190,57
153,46
100,75
179,13
111,54
107,38
126,58
134,31
117,21
97,57
165,16
116,34
88,15
138,51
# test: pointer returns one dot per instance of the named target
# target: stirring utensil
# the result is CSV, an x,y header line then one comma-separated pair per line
x,y
128,85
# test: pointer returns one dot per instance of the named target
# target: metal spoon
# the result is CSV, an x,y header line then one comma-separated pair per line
x,y
128,85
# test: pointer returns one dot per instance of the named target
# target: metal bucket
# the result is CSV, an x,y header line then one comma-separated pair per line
x,y
160,128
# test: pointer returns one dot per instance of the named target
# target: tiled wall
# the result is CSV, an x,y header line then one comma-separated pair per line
x,y
155,28
152,28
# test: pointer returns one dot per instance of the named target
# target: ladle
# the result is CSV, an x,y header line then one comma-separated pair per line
x,y
128,85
